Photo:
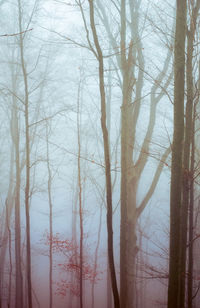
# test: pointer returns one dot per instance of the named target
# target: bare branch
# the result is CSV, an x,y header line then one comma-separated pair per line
x,y
154,182
15,34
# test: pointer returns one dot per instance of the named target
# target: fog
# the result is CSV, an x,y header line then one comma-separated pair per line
x,y
87,98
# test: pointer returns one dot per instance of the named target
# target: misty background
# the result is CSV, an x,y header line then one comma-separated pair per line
x,y
46,58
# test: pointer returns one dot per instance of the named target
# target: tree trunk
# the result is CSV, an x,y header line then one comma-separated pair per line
x,y
5,233
27,150
10,257
80,200
191,220
18,277
106,157
96,258
129,184
186,151
50,225
177,148
109,287
9,201
130,62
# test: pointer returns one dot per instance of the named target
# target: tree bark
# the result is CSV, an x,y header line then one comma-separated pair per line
x,y
191,220
177,148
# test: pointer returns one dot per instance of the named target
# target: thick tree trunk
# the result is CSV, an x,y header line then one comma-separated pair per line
x,y
131,262
177,148
131,239
129,176
109,288
127,209
128,200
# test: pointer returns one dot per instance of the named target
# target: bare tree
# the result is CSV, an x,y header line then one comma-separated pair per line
x,y
19,282
187,142
131,64
80,197
177,149
99,56
27,151
50,219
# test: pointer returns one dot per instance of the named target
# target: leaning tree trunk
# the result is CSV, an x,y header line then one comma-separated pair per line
x,y
177,149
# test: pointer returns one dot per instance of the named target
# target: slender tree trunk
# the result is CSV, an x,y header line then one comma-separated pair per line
x,y
27,186
9,201
106,157
50,225
74,240
177,148
96,258
108,114
27,192
191,220
18,277
5,233
80,199
10,256
186,175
